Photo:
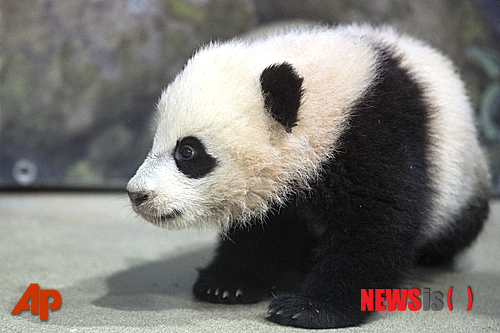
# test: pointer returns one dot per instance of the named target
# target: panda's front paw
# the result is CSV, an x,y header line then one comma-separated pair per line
x,y
305,312
224,289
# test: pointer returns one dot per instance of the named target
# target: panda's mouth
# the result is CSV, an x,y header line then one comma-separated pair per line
x,y
170,216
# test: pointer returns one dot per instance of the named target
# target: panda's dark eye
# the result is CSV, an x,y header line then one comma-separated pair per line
x,y
186,152
192,158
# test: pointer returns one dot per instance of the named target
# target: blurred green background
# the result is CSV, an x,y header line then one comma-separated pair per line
x,y
79,80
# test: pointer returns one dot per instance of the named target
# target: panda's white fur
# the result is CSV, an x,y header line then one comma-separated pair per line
x,y
218,98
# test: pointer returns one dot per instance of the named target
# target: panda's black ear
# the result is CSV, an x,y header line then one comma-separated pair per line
x,y
282,90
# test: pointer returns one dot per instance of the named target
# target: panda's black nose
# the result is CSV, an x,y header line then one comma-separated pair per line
x,y
137,197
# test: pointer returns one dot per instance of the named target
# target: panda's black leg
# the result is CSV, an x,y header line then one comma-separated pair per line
x,y
251,262
240,271
364,251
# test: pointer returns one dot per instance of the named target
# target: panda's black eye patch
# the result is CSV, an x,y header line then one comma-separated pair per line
x,y
192,158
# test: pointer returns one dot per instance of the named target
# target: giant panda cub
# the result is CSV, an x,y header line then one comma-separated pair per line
x,y
331,159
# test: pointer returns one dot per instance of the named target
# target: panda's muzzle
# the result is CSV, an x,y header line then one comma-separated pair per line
x,y
140,199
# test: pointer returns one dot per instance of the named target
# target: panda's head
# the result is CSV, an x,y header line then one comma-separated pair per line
x,y
222,151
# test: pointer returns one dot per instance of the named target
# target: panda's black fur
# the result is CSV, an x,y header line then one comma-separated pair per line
x,y
362,223
380,196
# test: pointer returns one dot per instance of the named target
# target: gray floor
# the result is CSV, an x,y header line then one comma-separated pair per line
x,y
116,273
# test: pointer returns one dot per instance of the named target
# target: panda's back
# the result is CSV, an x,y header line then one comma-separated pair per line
x,y
430,128
458,173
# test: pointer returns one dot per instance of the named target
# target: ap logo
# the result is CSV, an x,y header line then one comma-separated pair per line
x,y
39,299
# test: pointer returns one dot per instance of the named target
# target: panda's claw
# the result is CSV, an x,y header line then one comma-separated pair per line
x,y
306,312
218,286
228,295
272,311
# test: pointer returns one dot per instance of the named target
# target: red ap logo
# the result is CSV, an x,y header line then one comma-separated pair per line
x,y
39,301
